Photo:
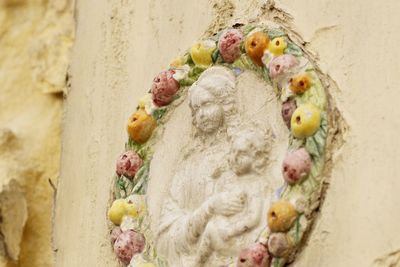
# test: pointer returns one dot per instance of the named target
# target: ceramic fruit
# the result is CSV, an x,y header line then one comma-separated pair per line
x,y
128,244
305,121
116,231
128,163
117,211
277,46
296,166
164,88
140,126
281,216
201,53
281,64
229,45
288,107
300,83
121,208
278,244
255,46
132,210
136,205
255,256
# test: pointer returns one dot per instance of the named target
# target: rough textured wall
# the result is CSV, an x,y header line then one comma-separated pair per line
x,y
121,45
35,40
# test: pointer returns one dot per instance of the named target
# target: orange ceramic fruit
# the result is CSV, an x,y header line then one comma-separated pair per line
x,y
255,46
140,126
281,216
300,83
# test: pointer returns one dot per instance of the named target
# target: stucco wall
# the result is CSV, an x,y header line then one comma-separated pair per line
x,y
121,45
35,39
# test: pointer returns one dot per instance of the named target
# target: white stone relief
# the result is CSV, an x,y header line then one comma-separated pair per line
x,y
217,196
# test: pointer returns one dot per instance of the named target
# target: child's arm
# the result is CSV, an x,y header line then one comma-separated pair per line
x,y
250,219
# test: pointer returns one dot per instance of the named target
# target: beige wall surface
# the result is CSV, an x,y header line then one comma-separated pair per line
x,y
35,39
122,44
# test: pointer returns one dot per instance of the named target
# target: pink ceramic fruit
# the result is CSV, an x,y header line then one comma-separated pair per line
x,y
288,107
164,88
255,256
229,45
296,166
278,244
128,244
115,233
281,64
128,164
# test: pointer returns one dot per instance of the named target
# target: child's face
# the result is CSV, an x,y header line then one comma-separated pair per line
x,y
242,155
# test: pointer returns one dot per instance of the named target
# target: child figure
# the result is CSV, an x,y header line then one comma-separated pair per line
x,y
231,227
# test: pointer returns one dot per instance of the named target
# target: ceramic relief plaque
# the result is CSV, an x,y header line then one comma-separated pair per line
x,y
225,156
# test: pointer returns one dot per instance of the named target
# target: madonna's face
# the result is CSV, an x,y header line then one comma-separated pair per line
x,y
207,115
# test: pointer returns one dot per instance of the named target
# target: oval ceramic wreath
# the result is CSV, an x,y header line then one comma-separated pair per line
x,y
192,237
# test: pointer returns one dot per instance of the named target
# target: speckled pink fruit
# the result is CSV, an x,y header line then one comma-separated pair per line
x,y
255,256
128,163
164,88
296,166
115,233
288,107
281,64
278,244
229,45
128,244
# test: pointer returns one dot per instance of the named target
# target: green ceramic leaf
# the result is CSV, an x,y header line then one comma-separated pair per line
x,y
215,55
247,29
141,149
159,113
141,179
293,49
196,71
273,33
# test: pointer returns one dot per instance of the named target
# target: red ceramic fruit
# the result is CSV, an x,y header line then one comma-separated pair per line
x,y
164,88
229,45
115,233
128,244
128,163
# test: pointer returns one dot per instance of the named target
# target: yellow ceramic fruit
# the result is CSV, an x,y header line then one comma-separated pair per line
x,y
140,126
255,46
281,216
300,83
277,46
305,121
117,211
201,53
144,100
132,210
136,206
